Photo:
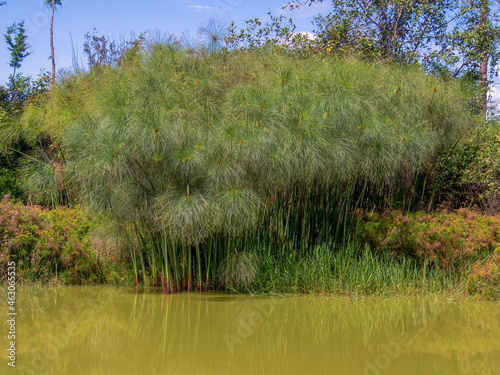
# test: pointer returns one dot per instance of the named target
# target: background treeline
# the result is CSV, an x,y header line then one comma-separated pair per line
x,y
257,159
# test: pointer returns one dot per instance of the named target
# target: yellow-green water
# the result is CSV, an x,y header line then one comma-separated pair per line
x,y
86,330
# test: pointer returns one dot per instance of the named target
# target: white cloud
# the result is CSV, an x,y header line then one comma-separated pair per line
x,y
201,8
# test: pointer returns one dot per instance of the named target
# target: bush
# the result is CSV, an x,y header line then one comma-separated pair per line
x,y
47,243
446,239
9,185
483,173
470,174
485,277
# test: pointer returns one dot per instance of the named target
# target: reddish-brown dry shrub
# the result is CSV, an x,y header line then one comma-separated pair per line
x,y
45,243
485,277
446,239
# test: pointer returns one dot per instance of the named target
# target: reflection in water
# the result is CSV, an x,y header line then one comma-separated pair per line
x,y
77,330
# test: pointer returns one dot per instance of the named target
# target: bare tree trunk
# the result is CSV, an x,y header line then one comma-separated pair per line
x,y
52,43
483,68
483,74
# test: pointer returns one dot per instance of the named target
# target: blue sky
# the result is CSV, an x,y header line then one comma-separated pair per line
x,y
119,18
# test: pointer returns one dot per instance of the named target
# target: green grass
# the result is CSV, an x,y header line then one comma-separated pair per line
x,y
352,270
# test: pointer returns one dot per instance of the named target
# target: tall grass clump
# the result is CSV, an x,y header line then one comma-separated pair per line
x,y
353,270
202,158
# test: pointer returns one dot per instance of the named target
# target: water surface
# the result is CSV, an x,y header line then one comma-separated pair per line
x,y
96,330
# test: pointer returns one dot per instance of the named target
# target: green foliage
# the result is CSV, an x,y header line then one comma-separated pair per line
x,y
450,190
483,173
18,47
339,34
196,154
473,34
448,240
13,144
19,87
12,100
399,30
9,184
279,31
47,245
470,173
19,90
448,38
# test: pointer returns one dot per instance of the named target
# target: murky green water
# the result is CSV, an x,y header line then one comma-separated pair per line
x,y
110,331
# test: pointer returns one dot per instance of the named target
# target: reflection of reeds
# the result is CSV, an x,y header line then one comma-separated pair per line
x,y
153,333
196,157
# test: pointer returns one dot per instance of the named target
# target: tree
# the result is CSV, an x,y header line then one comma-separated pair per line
x,y
18,46
18,85
449,38
470,48
479,46
52,4
483,68
398,29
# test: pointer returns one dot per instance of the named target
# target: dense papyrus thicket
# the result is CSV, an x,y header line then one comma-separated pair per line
x,y
202,159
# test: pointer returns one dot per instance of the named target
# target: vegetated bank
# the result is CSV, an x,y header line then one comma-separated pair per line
x,y
247,170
